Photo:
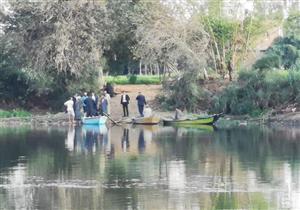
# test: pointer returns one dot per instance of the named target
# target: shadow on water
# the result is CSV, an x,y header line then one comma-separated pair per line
x,y
143,167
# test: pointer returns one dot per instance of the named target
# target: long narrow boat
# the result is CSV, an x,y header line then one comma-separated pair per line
x,y
146,120
99,120
209,120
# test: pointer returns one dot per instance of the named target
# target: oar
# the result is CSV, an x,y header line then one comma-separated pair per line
x,y
110,118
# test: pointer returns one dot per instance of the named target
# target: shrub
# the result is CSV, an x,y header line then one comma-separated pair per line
x,y
134,79
14,113
268,62
261,91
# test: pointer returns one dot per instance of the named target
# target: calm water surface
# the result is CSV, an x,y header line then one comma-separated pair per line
x,y
149,168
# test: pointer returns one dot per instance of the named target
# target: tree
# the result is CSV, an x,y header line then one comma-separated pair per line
x,y
291,25
179,46
119,56
58,35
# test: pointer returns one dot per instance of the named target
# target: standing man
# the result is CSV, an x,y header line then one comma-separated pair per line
x,y
83,102
104,105
107,97
90,106
141,101
125,101
69,104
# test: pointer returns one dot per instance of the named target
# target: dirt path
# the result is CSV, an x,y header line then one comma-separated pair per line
x,y
149,91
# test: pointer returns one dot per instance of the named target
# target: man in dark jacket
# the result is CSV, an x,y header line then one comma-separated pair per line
x,y
141,101
90,106
125,101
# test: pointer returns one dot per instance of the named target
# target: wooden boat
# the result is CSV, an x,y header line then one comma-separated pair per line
x,y
209,120
98,120
146,120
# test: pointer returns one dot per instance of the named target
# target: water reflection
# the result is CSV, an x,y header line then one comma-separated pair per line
x,y
141,144
125,139
93,167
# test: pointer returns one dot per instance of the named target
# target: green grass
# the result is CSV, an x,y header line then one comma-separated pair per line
x,y
14,113
134,79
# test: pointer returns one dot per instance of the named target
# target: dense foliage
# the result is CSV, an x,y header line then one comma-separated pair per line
x,y
273,83
133,79
50,50
284,53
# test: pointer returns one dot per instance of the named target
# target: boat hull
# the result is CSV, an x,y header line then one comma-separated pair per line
x,y
146,120
198,121
94,120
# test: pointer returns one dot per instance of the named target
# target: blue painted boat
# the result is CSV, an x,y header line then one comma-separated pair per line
x,y
99,120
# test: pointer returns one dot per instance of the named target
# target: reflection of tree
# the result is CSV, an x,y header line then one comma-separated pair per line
x,y
259,148
40,147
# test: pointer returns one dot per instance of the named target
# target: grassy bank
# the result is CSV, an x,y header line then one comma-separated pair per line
x,y
134,79
14,113
255,92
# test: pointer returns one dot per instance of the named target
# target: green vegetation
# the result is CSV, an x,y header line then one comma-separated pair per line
x,y
274,82
47,53
291,25
14,113
133,79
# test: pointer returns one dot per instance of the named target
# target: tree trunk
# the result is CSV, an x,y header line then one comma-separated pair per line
x,y
140,67
214,57
205,75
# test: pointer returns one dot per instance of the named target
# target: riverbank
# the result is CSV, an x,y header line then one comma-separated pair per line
x,y
61,119
150,92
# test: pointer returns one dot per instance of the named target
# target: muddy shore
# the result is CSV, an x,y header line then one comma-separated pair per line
x,y
289,119
150,92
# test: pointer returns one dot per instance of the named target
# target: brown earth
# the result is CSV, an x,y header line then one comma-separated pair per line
x,y
288,116
149,91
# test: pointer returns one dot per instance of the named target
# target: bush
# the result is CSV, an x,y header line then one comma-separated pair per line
x,y
185,92
14,113
269,61
134,79
284,53
261,91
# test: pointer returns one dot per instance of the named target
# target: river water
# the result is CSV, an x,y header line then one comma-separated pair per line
x,y
149,168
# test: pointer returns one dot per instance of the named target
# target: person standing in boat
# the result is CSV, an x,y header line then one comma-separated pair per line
x,y
95,99
125,101
90,107
83,98
69,104
77,110
141,102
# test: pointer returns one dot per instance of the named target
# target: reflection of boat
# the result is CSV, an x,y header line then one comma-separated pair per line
x,y
146,120
195,127
95,128
193,121
99,120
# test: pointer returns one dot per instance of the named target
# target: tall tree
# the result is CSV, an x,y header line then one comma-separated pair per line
x,y
120,59
59,35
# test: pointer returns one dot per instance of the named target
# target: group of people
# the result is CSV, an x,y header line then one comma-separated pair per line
x,y
88,105
91,105
141,103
